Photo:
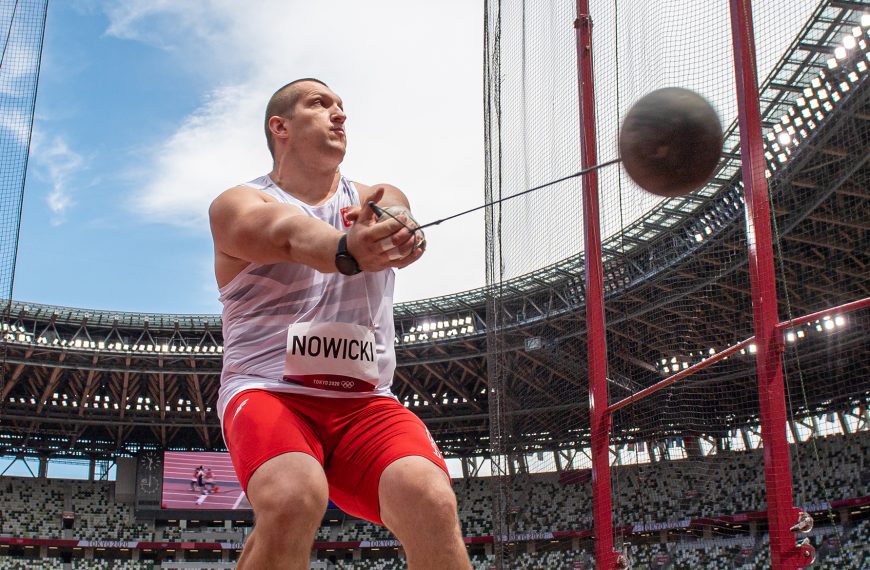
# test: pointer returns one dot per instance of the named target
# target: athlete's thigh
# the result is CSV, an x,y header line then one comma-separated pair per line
x,y
374,436
260,426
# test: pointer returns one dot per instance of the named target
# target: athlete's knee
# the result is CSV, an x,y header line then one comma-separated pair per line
x,y
293,505
291,499
289,492
439,502
421,494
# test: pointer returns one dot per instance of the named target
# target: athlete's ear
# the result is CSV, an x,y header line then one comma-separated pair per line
x,y
278,126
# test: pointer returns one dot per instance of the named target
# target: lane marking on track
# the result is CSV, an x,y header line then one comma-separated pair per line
x,y
239,500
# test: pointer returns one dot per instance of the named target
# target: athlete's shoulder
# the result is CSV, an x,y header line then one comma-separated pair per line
x,y
240,194
366,190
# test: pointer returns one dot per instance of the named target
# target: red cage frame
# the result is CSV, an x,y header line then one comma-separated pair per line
x,y
783,516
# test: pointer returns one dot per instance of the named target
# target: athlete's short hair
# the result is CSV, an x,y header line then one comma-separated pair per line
x,y
281,104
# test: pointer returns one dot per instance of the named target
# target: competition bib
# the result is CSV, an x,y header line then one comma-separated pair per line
x,y
331,356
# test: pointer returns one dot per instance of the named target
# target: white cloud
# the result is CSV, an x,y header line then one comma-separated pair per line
x,y
413,98
211,151
57,163
17,122
162,23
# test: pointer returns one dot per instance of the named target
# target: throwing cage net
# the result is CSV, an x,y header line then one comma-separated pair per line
x,y
22,25
688,479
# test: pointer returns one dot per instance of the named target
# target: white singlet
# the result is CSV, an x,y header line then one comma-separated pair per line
x,y
263,301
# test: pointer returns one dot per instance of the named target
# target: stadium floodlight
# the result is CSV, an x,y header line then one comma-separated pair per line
x,y
840,321
849,42
840,52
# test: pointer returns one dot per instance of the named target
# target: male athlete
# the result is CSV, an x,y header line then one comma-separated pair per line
x,y
305,272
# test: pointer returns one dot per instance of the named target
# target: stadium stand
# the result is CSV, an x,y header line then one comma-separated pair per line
x,y
97,516
650,492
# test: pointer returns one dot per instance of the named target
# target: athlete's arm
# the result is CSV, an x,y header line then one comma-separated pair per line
x,y
251,226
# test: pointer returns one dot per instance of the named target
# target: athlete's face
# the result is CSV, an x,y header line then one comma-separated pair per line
x,y
317,123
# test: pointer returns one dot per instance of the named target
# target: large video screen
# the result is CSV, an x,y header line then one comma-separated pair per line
x,y
201,480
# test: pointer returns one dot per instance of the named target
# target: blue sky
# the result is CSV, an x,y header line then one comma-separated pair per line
x,y
147,109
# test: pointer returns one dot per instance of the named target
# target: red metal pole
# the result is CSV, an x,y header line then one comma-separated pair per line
x,y
839,309
707,362
662,384
781,512
605,557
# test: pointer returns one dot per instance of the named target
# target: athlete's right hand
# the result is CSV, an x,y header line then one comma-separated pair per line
x,y
377,246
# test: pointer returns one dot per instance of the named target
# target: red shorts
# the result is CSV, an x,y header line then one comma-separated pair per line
x,y
354,439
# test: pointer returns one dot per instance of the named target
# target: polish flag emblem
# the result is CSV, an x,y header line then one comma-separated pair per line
x,y
344,219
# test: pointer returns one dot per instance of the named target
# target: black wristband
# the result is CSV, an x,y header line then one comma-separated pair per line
x,y
344,261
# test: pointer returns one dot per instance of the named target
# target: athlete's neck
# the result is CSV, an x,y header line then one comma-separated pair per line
x,y
312,186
